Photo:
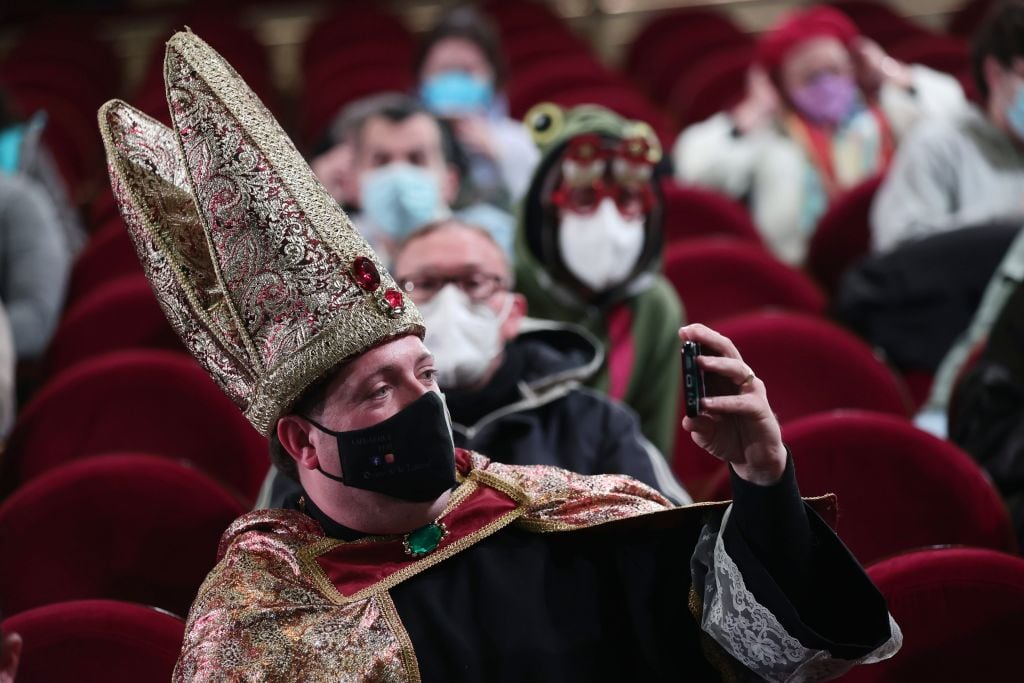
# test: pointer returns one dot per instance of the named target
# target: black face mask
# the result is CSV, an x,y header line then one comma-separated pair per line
x,y
409,456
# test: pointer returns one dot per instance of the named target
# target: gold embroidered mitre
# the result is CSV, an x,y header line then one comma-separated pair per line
x,y
254,264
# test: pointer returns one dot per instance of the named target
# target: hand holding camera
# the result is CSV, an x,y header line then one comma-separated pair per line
x,y
727,411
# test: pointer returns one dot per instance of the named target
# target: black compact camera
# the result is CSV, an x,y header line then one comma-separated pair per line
x,y
693,378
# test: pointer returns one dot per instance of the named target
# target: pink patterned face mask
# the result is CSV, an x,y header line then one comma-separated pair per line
x,y
829,99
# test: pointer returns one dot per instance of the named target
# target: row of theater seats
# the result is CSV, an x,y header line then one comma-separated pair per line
x,y
127,466
960,610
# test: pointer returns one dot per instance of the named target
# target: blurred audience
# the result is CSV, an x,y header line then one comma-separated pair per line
x,y
589,250
987,417
34,264
8,375
825,108
966,170
1007,277
512,385
461,72
23,152
396,167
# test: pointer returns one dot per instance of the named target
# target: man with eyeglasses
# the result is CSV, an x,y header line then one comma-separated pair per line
x,y
513,385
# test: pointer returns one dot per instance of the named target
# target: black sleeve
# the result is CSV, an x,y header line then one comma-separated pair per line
x,y
795,566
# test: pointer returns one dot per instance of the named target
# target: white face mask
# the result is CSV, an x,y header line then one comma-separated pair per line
x,y
464,337
601,249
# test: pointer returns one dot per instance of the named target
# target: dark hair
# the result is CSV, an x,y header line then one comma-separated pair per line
x,y
467,23
395,108
311,401
1001,35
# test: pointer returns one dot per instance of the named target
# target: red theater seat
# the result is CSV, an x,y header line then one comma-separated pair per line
x,y
899,488
147,401
120,527
718,278
843,234
961,611
692,211
674,28
809,366
107,256
122,314
717,85
96,641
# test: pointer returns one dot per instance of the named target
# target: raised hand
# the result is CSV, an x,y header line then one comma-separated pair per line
x,y
736,423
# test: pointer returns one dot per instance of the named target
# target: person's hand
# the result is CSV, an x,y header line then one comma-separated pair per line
x,y
761,105
475,134
736,423
875,67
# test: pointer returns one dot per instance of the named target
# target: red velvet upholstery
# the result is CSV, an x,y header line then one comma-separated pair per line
x,y
718,85
692,211
320,111
899,488
542,46
123,527
843,235
811,366
350,25
964,21
878,21
675,27
537,82
109,254
717,278
961,611
96,641
122,314
147,401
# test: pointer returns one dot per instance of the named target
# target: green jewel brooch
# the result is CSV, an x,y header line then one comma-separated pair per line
x,y
424,540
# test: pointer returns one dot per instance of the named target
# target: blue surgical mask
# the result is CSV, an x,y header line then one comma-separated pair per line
x,y
10,149
1015,113
399,198
457,93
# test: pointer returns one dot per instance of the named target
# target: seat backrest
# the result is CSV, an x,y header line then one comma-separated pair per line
x,y
139,400
108,255
717,85
717,278
673,27
96,641
693,211
961,611
121,527
899,488
811,365
122,314
843,234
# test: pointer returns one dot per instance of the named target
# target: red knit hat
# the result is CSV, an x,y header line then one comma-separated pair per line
x,y
798,28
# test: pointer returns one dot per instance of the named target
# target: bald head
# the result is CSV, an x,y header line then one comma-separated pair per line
x,y
448,247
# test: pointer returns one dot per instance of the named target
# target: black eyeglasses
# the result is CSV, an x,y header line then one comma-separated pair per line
x,y
477,286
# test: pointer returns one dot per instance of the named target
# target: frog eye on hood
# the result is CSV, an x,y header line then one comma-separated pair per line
x,y
545,122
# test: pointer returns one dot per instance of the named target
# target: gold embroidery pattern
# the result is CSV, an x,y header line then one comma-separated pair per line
x,y
249,256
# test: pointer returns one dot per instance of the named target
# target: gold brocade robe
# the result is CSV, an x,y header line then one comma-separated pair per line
x,y
287,603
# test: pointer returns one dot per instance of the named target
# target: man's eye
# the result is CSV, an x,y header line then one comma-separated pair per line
x,y
430,375
380,392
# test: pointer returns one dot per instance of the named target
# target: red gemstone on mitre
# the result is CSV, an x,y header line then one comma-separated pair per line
x,y
365,273
394,300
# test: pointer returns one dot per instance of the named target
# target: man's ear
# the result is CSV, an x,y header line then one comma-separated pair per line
x,y
450,185
510,328
294,434
10,655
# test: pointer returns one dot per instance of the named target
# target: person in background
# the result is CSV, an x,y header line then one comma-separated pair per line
x,y
967,170
22,152
589,250
987,407
461,71
402,173
34,264
824,110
